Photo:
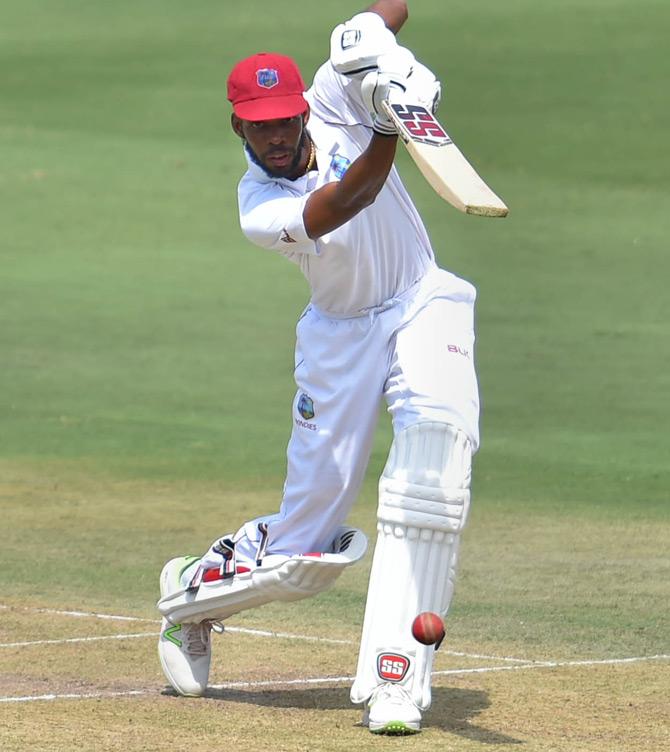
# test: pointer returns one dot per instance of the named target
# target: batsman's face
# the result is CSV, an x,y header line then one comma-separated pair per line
x,y
276,145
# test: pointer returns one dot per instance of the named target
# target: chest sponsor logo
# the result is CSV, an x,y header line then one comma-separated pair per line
x,y
392,666
267,77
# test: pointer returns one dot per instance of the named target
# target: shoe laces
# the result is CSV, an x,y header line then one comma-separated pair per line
x,y
196,637
394,694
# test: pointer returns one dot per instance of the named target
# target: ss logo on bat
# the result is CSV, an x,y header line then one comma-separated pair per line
x,y
421,124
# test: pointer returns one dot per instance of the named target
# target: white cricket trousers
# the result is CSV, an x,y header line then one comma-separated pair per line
x,y
416,351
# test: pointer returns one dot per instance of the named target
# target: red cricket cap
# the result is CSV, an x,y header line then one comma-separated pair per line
x,y
266,86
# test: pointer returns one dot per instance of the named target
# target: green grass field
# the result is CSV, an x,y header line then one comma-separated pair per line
x,y
146,375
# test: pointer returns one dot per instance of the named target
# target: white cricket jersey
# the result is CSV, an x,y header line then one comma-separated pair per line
x,y
370,259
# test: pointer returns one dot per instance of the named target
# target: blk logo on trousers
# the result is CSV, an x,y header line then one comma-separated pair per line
x,y
458,350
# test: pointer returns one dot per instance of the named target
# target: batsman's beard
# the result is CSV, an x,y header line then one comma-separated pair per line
x,y
284,172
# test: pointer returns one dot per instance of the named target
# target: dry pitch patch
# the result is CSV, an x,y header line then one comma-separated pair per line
x,y
118,698
82,653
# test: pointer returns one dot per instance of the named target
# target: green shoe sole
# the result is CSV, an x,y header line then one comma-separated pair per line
x,y
395,728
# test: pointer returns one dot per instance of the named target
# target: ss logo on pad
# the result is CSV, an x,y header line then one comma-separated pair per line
x,y
392,666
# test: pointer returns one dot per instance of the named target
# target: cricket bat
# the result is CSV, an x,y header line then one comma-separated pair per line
x,y
442,163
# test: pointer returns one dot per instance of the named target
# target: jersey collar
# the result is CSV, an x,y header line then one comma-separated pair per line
x,y
260,176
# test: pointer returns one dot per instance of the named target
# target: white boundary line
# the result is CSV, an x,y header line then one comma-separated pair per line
x,y
554,664
458,654
447,672
338,679
259,633
89,614
86,696
238,630
79,639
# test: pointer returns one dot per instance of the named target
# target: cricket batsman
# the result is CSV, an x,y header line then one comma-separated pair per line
x,y
382,321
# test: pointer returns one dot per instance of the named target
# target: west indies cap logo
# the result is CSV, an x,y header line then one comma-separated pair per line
x,y
267,77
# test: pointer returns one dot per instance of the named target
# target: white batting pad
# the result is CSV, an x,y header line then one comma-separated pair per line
x,y
423,506
277,578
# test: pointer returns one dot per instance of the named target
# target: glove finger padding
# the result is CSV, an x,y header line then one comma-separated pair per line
x,y
423,87
356,44
387,83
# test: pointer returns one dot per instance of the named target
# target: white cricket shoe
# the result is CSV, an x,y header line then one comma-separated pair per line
x,y
392,711
185,650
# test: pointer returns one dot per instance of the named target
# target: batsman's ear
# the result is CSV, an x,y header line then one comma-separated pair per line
x,y
236,124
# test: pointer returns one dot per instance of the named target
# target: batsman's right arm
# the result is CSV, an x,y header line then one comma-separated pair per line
x,y
393,12
335,203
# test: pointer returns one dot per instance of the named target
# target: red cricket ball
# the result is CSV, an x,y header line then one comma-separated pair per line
x,y
428,628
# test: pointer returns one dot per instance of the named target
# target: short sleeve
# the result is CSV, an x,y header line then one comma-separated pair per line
x,y
337,99
273,219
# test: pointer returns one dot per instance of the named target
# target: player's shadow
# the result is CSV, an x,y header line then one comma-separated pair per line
x,y
453,710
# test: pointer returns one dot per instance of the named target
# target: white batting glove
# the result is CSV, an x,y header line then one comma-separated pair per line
x,y
220,555
356,44
423,88
388,83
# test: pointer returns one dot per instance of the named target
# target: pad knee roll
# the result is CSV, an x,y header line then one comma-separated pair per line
x,y
426,481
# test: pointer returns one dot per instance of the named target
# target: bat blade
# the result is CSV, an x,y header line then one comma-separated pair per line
x,y
442,163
